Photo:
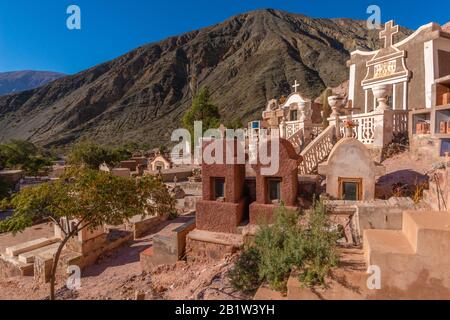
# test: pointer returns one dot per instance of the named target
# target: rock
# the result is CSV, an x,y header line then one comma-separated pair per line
x,y
139,295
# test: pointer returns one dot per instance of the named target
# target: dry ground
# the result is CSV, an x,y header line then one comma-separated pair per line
x,y
119,276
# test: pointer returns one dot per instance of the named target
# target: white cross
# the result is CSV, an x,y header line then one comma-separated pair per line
x,y
295,86
388,33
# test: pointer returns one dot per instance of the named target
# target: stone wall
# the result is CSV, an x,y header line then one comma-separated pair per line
x,y
203,246
169,245
426,147
219,216
201,251
140,226
378,214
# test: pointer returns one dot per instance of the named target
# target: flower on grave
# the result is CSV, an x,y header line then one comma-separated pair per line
x,y
350,124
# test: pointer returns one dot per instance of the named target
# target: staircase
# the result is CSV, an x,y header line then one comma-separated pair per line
x,y
415,261
295,134
317,151
297,140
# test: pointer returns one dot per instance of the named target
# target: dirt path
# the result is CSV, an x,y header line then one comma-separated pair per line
x,y
119,276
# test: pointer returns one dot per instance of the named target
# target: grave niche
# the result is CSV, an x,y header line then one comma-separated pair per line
x,y
350,171
279,187
421,122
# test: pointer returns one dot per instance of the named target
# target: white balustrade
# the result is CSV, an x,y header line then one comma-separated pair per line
x,y
400,121
365,124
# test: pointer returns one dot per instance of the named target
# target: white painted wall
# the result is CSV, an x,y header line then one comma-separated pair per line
x,y
429,71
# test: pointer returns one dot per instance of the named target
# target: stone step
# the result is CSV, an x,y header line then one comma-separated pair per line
x,y
23,247
421,227
385,242
24,269
28,257
229,239
421,247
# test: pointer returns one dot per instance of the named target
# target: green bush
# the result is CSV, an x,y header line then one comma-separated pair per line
x,y
245,274
320,248
302,243
18,154
4,189
92,155
275,246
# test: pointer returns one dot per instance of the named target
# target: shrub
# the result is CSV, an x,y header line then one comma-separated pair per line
x,y
320,253
399,144
245,274
23,155
274,244
5,188
302,243
92,155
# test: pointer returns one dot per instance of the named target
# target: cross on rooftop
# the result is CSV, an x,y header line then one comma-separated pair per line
x,y
388,33
295,86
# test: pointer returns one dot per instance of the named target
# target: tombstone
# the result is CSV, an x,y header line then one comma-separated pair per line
x,y
129,164
280,187
85,241
222,206
159,163
350,171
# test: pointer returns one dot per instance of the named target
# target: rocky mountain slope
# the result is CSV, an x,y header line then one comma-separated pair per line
x,y
142,95
16,81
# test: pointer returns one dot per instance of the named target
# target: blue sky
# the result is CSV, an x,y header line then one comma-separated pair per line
x,y
33,33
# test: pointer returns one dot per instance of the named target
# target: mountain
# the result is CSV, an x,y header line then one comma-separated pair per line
x,y
142,95
11,82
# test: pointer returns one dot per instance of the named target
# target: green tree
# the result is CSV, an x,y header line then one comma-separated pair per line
x,y
92,155
18,154
326,106
204,110
88,154
91,198
35,164
116,155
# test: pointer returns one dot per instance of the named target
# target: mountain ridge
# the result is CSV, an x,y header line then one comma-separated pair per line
x,y
142,95
16,81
